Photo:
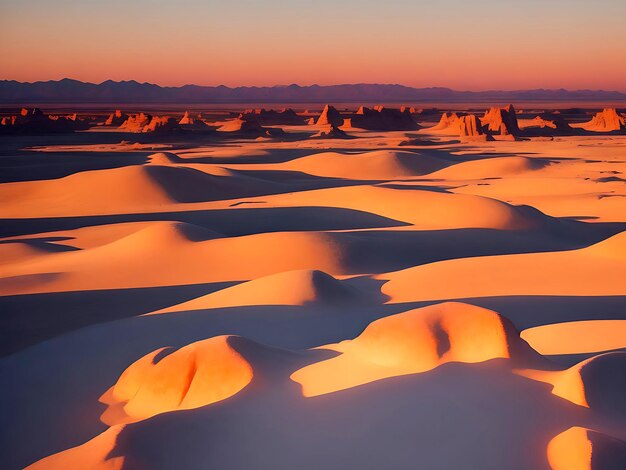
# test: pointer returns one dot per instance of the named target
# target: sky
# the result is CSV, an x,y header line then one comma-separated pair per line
x,y
462,44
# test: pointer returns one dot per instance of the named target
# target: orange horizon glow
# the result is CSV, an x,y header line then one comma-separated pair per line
x,y
479,46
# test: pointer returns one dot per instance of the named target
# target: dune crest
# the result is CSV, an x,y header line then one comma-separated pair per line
x,y
580,448
93,454
195,375
490,168
586,271
299,287
411,342
387,164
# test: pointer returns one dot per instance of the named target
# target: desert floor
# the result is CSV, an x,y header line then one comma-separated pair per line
x,y
392,300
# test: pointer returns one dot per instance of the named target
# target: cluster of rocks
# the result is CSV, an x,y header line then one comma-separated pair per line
x,y
146,123
35,121
284,117
381,118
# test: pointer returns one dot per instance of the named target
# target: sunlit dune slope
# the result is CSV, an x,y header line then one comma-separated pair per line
x,y
165,380
423,208
192,255
377,165
414,341
287,288
496,167
597,383
579,448
596,270
577,336
129,189
94,454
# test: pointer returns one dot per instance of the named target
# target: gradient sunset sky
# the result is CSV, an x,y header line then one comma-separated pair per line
x,y
478,44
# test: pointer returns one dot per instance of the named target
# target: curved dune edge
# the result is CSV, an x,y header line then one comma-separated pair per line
x,y
580,448
596,270
425,209
414,341
376,165
93,454
194,255
489,168
298,287
196,375
160,184
576,337
598,383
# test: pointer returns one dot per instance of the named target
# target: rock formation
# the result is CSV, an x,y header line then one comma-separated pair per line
x,y
382,119
501,120
136,122
330,117
607,120
34,121
286,116
116,118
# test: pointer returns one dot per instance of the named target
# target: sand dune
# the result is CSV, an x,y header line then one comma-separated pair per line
x,y
577,337
194,256
94,454
584,449
411,342
432,210
137,188
382,164
489,168
596,383
286,288
596,270
157,383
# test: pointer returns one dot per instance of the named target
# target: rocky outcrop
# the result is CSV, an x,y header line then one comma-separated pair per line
x,y
382,119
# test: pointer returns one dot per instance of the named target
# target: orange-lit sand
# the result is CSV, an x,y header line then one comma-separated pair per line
x,y
196,375
577,337
411,342
376,288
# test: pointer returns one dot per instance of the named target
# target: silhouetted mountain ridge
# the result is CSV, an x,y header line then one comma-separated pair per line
x,y
74,91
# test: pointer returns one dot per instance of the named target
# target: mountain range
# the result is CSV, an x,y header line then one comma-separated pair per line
x,y
75,91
